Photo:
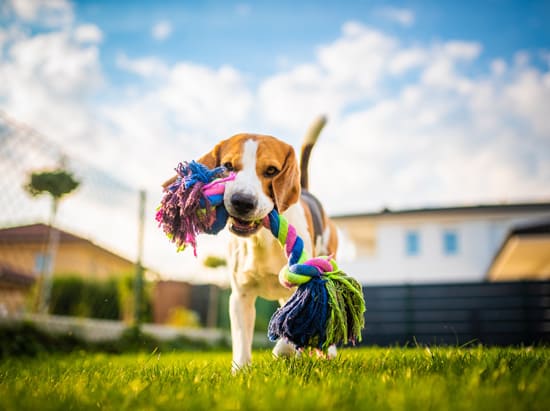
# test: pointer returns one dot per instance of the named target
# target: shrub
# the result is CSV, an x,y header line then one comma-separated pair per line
x,y
103,300
80,297
67,297
213,261
182,317
125,287
25,339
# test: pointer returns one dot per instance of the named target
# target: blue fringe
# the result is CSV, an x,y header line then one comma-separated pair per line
x,y
303,319
194,172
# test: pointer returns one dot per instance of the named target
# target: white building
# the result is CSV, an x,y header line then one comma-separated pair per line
x,y
455,244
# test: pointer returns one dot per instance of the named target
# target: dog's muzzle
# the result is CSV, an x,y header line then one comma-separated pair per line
x,y
242,207
243,204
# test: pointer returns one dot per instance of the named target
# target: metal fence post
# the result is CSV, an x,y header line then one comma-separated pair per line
x,y
48,263
138,284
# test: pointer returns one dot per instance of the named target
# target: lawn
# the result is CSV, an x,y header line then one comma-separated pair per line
x,y
359,379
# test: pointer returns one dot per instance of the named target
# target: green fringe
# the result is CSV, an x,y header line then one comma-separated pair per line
x,y
347,309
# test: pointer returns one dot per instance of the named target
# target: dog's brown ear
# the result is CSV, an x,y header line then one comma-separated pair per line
x,y
212,158
286,184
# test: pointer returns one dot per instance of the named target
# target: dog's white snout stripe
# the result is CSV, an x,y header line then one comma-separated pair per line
x,y
248,184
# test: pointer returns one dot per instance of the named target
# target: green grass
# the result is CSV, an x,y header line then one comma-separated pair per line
x,y
359,379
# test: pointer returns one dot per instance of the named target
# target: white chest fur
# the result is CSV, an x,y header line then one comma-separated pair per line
x,y
255,262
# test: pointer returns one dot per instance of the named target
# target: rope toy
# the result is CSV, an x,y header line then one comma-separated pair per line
x,y
327,307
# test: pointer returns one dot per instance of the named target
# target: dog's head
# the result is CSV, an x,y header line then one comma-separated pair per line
x,y
267,177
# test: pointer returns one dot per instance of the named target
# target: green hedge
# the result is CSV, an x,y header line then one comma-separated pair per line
x,y
80,297
107,299
25,339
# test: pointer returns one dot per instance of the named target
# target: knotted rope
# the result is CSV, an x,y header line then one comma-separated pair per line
x,y
328,306
193,204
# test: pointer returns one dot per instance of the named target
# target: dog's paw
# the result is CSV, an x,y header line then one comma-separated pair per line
x,y
238,368
330,354
284,349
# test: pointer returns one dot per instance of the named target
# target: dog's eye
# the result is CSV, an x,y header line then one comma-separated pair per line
x,y
271,171
228,165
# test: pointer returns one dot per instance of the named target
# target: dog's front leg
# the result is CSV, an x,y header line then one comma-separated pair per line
x,y
242,313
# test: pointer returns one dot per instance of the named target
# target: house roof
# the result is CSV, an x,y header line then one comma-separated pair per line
x,y
35,233
539,227
38,233
475,209
524,254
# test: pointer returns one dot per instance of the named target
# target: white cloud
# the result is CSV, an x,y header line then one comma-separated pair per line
x,y
54,63
3,40
461,50
206,99
161,30
49,12
404,17
88,33
441,71
349,69
404,60
145,66
51,78
181,116
498,67
528,97
521,58
288,100
358,58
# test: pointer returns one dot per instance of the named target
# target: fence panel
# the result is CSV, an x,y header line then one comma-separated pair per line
x,y
455,314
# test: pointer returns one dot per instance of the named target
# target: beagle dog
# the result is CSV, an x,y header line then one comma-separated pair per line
x,y
267,177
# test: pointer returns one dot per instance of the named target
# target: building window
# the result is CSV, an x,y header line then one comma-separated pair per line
x,y
412,243
450,242
41,263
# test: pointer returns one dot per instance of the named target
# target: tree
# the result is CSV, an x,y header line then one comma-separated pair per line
x,y
213,261
57,183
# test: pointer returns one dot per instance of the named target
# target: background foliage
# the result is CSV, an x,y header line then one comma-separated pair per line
x,y
109,299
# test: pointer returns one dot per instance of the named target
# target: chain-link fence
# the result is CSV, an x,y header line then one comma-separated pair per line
x,y
82,256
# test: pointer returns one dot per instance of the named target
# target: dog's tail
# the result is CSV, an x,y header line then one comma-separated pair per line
x,y
309,141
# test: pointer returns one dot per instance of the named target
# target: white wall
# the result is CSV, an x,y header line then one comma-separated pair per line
x,y
478,241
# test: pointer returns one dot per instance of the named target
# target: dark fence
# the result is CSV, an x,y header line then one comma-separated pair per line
x,y
201,303
455,314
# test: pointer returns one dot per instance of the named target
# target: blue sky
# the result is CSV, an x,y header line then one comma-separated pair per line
x,y
428,103
252,36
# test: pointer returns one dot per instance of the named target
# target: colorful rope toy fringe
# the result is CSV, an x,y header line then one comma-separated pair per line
x,y
328,306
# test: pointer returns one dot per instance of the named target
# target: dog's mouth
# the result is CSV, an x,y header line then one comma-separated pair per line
x,y
243,227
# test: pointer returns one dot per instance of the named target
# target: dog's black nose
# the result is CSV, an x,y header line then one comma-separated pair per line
x,y
243,203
